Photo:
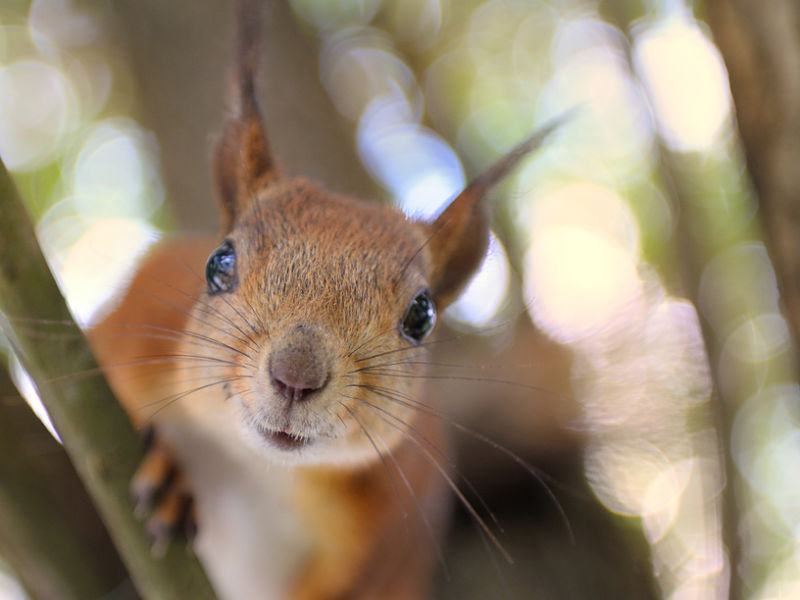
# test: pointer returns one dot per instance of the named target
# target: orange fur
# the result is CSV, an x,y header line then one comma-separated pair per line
x,y
158,302
289,387
357,290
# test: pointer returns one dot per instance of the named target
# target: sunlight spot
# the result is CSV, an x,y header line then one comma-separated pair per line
x,y
662,499
115,173
688,83
613,125
499,28
579,283
765,443
28,391
92,77
484,296
778,460
635,480
426,196
759,339
415,164
580,35
592,207
37,105
101,260
532,41
10,588
581,266
359,65
640,389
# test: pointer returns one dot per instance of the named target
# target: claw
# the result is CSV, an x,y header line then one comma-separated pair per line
x,y
160,491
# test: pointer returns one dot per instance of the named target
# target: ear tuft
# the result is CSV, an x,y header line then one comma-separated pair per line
x,y
242,159
459,237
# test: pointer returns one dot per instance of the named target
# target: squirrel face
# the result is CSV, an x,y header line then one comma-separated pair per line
x,y
331,297
318,302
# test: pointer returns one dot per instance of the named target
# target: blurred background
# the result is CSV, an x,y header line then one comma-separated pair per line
x,y
625,334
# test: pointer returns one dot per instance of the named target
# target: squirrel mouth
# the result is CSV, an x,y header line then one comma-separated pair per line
x,y
283,439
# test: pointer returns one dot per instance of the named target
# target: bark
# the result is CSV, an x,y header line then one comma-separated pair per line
x,y
761,48
679,175
50,533
95,430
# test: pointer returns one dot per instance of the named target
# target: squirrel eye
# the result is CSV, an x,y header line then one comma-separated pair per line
x,y
221,269
420,317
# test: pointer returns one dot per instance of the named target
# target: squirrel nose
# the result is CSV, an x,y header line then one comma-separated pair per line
x,y
298,365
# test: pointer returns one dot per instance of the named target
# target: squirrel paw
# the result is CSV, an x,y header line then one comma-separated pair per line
x,y
162,496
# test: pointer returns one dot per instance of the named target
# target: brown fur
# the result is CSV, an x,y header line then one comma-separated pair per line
x,y
349,269
136,333
367,549
321,288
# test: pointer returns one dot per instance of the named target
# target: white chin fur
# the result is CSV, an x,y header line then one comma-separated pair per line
x,y
319,451
331,448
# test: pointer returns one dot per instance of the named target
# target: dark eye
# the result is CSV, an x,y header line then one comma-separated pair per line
x,y
420,317
221,269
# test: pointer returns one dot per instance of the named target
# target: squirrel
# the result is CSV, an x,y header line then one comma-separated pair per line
x,y
285,378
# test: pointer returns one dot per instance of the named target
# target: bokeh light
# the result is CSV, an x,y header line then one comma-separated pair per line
x,y
481,302
581,266
415,164
360,65
116,171
614,127
579,283
599,225
416,22
108,249
688,83
10,589
98,212
38,105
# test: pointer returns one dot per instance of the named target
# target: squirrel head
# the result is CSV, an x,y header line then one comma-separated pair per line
x,y
320,303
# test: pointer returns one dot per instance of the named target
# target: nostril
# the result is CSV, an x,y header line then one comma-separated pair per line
x,y
299,364
297,371
294,393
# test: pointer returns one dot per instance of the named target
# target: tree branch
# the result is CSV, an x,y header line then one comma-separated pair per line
x,y
761,49
95,430
50,531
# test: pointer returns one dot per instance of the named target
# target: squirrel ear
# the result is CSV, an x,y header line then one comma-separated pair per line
x,y
458,238
242,159
242,165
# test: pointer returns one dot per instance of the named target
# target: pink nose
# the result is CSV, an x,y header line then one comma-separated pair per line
x,y
298,365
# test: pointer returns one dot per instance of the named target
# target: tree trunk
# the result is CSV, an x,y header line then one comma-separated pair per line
x,y
761,48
